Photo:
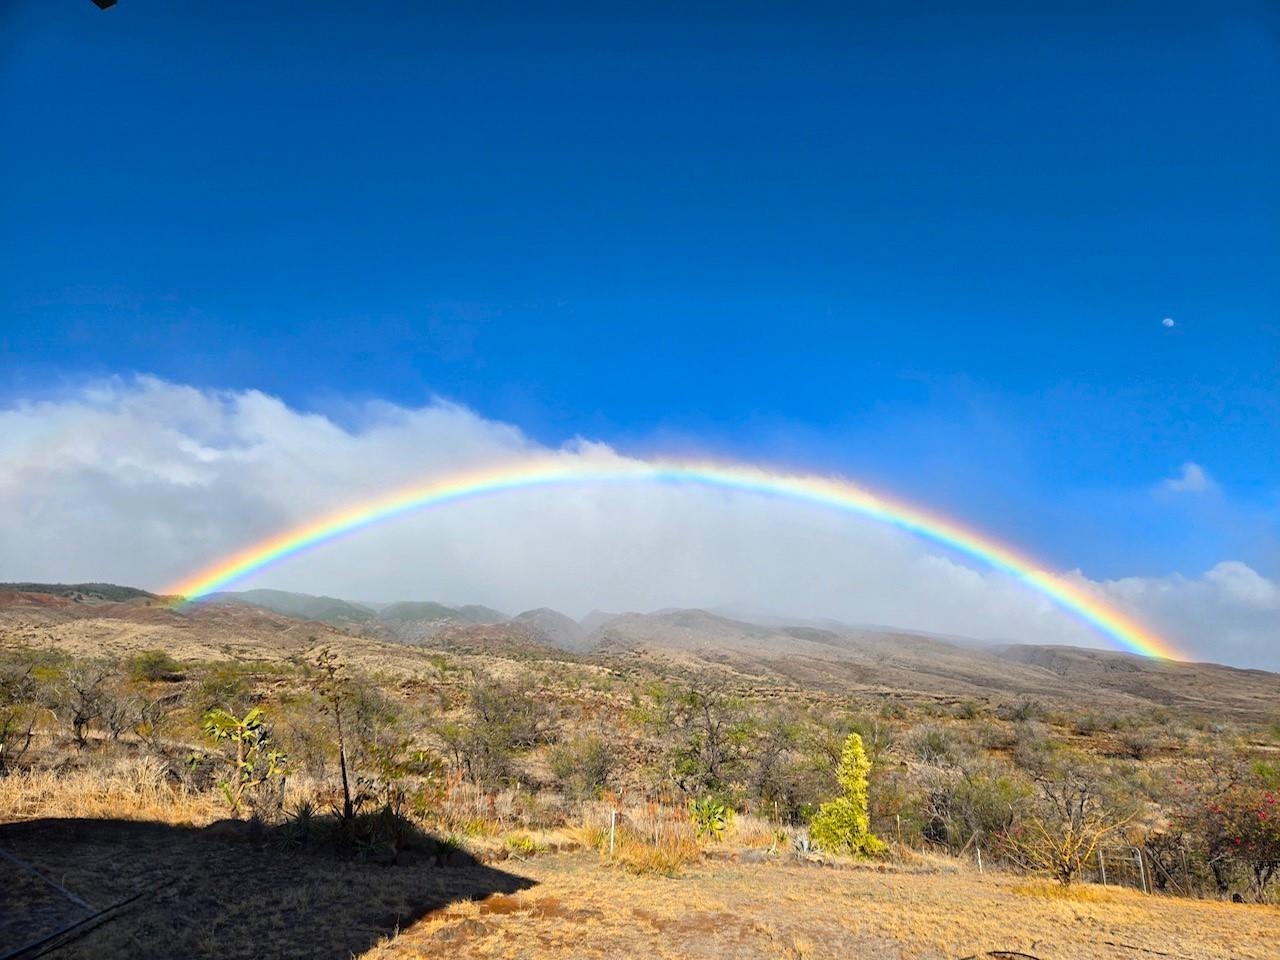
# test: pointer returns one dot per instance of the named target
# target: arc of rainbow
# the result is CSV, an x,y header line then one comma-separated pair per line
x,y
1111,622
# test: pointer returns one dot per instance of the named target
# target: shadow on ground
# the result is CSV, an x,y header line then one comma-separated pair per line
x,y
225,891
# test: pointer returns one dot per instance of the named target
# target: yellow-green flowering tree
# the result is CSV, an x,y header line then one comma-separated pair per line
x,y
843,825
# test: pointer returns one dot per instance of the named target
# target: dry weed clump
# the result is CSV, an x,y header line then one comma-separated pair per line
x,y
756,833
642,839
132,789
468,809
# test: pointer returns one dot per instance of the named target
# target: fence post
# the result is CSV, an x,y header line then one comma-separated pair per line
x,y
1142,872
1102,865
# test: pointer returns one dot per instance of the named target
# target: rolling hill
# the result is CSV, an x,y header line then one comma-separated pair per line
x,y
304,605
835,660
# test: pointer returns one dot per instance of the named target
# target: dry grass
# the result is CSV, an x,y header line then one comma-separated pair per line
x,y
667,900
755,833
647,838
787,909
133,789
1076,892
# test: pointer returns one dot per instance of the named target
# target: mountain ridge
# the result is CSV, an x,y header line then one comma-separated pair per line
x,y
837,660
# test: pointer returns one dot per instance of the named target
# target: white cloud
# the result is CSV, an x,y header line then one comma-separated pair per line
x,y
1229,614
143,482
1191,478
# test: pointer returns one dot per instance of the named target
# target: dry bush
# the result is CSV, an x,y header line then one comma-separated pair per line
x,y
582,765
1072,817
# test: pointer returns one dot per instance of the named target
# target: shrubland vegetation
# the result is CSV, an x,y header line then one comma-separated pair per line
x,y
653,766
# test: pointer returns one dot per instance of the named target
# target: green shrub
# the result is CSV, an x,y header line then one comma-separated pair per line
x,y
582,766
525,844
254,763
154,665
220,686
937,745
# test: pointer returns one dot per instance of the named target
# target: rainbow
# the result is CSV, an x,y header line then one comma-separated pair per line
x,y
1116,626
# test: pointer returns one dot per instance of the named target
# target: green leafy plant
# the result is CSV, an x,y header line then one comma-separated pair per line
x,y
710,818
254,761
524,844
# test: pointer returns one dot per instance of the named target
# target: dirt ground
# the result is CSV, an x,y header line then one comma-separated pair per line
x,y
219,892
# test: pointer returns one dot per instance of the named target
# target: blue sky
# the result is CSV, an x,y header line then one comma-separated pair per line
x,y
929,251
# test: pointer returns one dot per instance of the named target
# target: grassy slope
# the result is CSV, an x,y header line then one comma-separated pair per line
x,y
95,591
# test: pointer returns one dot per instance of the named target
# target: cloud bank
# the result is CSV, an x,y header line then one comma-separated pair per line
x,y
144,482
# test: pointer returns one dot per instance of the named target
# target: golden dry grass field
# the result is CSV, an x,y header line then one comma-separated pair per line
x,y
220,892
227,889
747,910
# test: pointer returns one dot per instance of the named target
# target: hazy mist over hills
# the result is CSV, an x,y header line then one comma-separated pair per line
x,y
835,657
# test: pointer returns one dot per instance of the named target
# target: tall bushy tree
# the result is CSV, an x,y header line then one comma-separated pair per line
x,y
1241,826
844,824
706,734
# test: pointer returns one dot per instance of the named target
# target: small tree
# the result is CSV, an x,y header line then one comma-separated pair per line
x,y
119,709
844,824
334,691
503,719
80,698
17,716
1241,826
1071,819
705,733
255,760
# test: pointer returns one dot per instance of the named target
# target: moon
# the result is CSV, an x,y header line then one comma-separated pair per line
x,y
1167,321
